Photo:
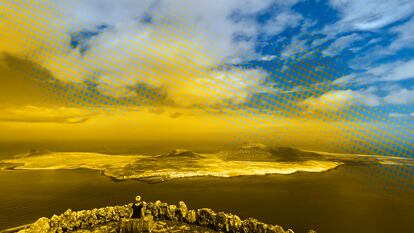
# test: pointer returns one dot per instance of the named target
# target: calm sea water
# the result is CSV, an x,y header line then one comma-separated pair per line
x,y
347,199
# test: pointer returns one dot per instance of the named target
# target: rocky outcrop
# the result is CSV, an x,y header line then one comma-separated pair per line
x,y
153,217
181,153
76,220
261,152
41,225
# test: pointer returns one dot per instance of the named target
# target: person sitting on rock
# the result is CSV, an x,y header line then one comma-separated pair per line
x,y
138,208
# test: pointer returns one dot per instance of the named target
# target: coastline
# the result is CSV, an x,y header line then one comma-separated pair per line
x,y
155,169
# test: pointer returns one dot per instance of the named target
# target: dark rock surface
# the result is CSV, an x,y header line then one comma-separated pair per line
x,y
261,152
182,153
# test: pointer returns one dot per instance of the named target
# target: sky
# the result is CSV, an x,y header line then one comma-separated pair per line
x,y
295,72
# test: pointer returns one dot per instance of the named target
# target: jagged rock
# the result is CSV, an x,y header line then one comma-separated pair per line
x,y
275,229
222,221
249,225
191,216
234,223
181,210
156,209
171,212
42,225
54,220
151,210
163,210
147,209
205,217
110,219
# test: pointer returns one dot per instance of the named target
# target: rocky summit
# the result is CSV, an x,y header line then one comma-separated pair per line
x,y
152,217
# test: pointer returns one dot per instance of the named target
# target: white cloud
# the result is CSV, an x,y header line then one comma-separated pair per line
x,y
387,72
332,101
235,85
400,96
394,71
367,97
405,36
401,115
401,71
282,21
296,46
341,43
267,58
338,100
392,94
369,14
345,80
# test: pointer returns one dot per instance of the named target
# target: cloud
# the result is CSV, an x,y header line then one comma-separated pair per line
x,y
295,48
267,58
282,21
400,96
117,45
234,85
332,101
345,80
340,100
368,97
34,114
399,71
401,115
405,36
390,72
371,97
341,43
368,15
393,71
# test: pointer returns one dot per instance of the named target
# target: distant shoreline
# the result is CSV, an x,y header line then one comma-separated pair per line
x,y
253,159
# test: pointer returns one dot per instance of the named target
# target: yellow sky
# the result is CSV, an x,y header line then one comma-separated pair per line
x,y
163,82
36,106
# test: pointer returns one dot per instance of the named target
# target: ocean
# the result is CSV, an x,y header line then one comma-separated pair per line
x,y
350,198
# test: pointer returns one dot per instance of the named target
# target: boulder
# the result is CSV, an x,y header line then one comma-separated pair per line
x,y
171,209
205,217
181,210
163,210
275,229
235,223
191,217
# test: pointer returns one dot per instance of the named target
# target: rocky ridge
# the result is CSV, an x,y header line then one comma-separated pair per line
x,y
157,216
261,152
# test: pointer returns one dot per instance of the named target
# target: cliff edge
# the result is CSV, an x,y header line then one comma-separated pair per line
x,y
152,217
